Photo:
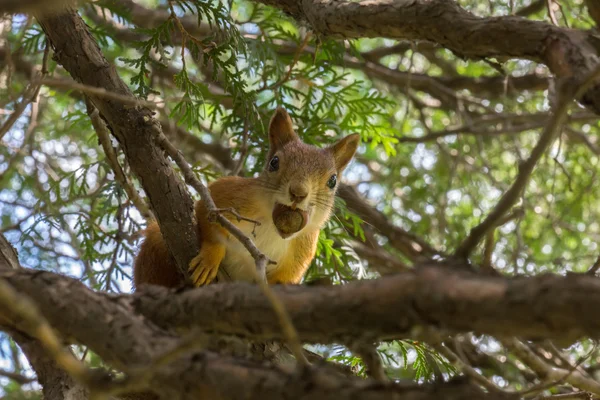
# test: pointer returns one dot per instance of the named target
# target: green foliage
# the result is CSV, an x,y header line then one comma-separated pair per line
x,y
62,207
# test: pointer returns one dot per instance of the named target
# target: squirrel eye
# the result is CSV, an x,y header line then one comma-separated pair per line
x,y
332,181
274,164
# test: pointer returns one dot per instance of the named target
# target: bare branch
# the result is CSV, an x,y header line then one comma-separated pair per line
x,y
107,325
553,127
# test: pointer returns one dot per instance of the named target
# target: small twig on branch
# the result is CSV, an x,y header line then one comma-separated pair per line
x,y
243,150
104,139
139,377
233,212
29,95
554,125
96,91
260,259
20,379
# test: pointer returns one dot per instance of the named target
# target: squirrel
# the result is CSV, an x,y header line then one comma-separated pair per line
x,y
291,200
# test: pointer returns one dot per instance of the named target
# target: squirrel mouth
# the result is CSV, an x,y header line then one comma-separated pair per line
x,y
289,220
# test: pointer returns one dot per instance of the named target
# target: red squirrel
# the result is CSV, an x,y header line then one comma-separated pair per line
x,y
299,181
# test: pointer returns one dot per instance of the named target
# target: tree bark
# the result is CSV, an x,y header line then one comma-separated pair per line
x,y
134,127
566,52
109,326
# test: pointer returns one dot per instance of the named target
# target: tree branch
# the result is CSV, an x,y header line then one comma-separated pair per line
x,y
133,127
568,53
108,325
567,91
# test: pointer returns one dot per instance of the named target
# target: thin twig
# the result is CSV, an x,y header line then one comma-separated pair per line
x,y
20,379
568,396
551,374
243,150
551,130
549,5
467,369
139,377
111,157
287,76
260,259
96,91
234,212
29,95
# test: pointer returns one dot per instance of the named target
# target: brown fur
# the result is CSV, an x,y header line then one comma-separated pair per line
x,y
303,169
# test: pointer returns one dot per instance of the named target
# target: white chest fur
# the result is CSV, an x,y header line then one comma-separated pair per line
x,y
239,264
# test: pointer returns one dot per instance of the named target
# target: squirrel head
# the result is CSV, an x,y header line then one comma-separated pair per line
x,y
303,179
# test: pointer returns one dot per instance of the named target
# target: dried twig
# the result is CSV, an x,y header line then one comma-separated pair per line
x,y
287,76
20,379
139,377
568,396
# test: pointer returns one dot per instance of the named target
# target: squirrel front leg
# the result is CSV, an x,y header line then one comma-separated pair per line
x,y
294,265
204,267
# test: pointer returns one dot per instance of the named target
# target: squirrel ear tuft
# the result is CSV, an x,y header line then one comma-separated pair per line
x,y
281,130
343,150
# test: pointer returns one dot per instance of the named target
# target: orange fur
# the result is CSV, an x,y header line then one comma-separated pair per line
x,y
300,166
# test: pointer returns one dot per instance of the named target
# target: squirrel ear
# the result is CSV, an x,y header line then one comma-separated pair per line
x,y
343,150
281,130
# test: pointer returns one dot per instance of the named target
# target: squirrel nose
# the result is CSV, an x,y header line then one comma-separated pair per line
x,y
297,193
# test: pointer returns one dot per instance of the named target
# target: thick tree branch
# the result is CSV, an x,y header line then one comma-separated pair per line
x,y
547,306
56,383
108,326
76,50
566,52
539,307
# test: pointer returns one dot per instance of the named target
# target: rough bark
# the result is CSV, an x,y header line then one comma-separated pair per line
x,y
135,128
56,383
108,325
566,52
542,307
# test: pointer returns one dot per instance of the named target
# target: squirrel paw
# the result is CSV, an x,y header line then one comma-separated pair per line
x,y
202,271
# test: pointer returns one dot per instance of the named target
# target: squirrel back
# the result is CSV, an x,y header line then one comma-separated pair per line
x,y
291,200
